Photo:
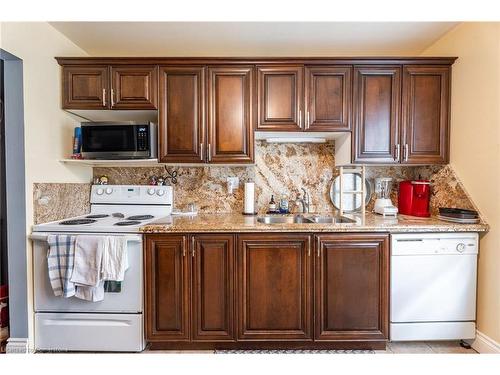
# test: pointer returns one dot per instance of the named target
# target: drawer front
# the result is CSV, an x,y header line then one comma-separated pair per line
x,y
89,332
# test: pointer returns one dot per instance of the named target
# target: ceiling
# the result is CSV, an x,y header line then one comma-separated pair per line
x,y
253,38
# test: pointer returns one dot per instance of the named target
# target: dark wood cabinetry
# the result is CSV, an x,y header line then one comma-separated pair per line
x,y
280,97
274,287
425,115
328,91
397,110
167,288
213,287
230,114
105,87
189,284
134,87
256,290
376,107
182,114
85,87
351,286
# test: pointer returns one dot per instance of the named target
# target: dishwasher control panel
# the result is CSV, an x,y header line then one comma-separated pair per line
x,y
434,243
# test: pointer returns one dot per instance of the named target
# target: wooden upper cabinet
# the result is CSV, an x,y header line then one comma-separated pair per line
x,y
213,287
274,287
425,120
328,91
352,287
376,108
134,87
279,98
166,288
230,114
182,114
85,87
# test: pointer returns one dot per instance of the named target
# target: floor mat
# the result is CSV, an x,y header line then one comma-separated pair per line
x,y
293,351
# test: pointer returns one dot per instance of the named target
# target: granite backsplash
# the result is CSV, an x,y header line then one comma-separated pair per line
x,y
279,169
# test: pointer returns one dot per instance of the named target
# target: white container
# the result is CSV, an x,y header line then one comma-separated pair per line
x,y
249,206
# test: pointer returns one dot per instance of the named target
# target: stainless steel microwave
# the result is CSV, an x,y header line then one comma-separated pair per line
x,y
119,140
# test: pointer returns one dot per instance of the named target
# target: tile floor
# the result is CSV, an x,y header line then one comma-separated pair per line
x,y
420,347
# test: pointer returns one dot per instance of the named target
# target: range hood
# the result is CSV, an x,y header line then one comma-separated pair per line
x,y
342,141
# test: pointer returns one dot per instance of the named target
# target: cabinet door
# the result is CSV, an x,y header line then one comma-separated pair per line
x,y
328,98
182,114
166,288
213,287
85,87
352,286
230,118
426,104
274,287
280,96
377,99
134,87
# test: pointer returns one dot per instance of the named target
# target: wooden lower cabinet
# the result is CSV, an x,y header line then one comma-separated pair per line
x,y
267,290
213,287
351,287
166,265
274,287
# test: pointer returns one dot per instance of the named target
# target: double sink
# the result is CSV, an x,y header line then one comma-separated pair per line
x,y
301,219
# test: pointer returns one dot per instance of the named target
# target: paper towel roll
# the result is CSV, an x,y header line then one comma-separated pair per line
x,y
249,198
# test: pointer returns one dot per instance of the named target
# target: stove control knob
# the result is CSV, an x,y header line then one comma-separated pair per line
x,y
151,191
160,192
109,190
461,247
99,191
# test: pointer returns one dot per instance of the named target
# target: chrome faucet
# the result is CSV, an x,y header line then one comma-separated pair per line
x,y
304,201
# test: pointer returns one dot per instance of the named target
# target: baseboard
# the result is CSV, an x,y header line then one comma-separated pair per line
x,y
17,346
484,344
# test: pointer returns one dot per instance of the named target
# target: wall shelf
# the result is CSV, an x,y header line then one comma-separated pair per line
x,y
112,163
144,163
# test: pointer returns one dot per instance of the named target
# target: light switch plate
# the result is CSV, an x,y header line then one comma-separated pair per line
x,y
232,184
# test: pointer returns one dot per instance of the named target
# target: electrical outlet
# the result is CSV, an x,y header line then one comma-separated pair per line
x,y
232,184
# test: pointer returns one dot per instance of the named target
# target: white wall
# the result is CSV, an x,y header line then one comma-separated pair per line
x,y
475,145
48,129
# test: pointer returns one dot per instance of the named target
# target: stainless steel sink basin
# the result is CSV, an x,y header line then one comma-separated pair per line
x,y
300,219
296,219
331,220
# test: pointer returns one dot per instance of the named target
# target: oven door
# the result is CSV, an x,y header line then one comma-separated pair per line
x,y
128,300
115,141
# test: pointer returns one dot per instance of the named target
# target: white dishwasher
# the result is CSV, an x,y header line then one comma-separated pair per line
x,y
433,286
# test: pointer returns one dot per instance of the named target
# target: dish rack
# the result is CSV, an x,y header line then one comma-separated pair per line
x,y
362,192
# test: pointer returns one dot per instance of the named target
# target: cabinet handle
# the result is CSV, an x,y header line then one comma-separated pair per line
x,y
192,246
406,151
309,246
201,150
184,246
308,123
209,152
104,97
300,118
112,98
318,247
398,152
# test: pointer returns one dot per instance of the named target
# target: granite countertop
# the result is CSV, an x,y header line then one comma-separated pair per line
x,y
235,222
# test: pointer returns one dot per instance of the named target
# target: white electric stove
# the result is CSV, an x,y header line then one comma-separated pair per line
x,y
116,323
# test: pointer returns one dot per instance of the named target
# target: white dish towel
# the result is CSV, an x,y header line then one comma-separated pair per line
x,y
114,258
87,268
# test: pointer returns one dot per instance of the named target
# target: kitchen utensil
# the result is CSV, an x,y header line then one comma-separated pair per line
x,y
414,197
383,203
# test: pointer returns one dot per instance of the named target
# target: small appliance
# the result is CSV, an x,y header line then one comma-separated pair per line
x,y
118,140
383,203
414,197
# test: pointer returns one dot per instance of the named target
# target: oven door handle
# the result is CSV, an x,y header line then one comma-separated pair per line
x,y
44,236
